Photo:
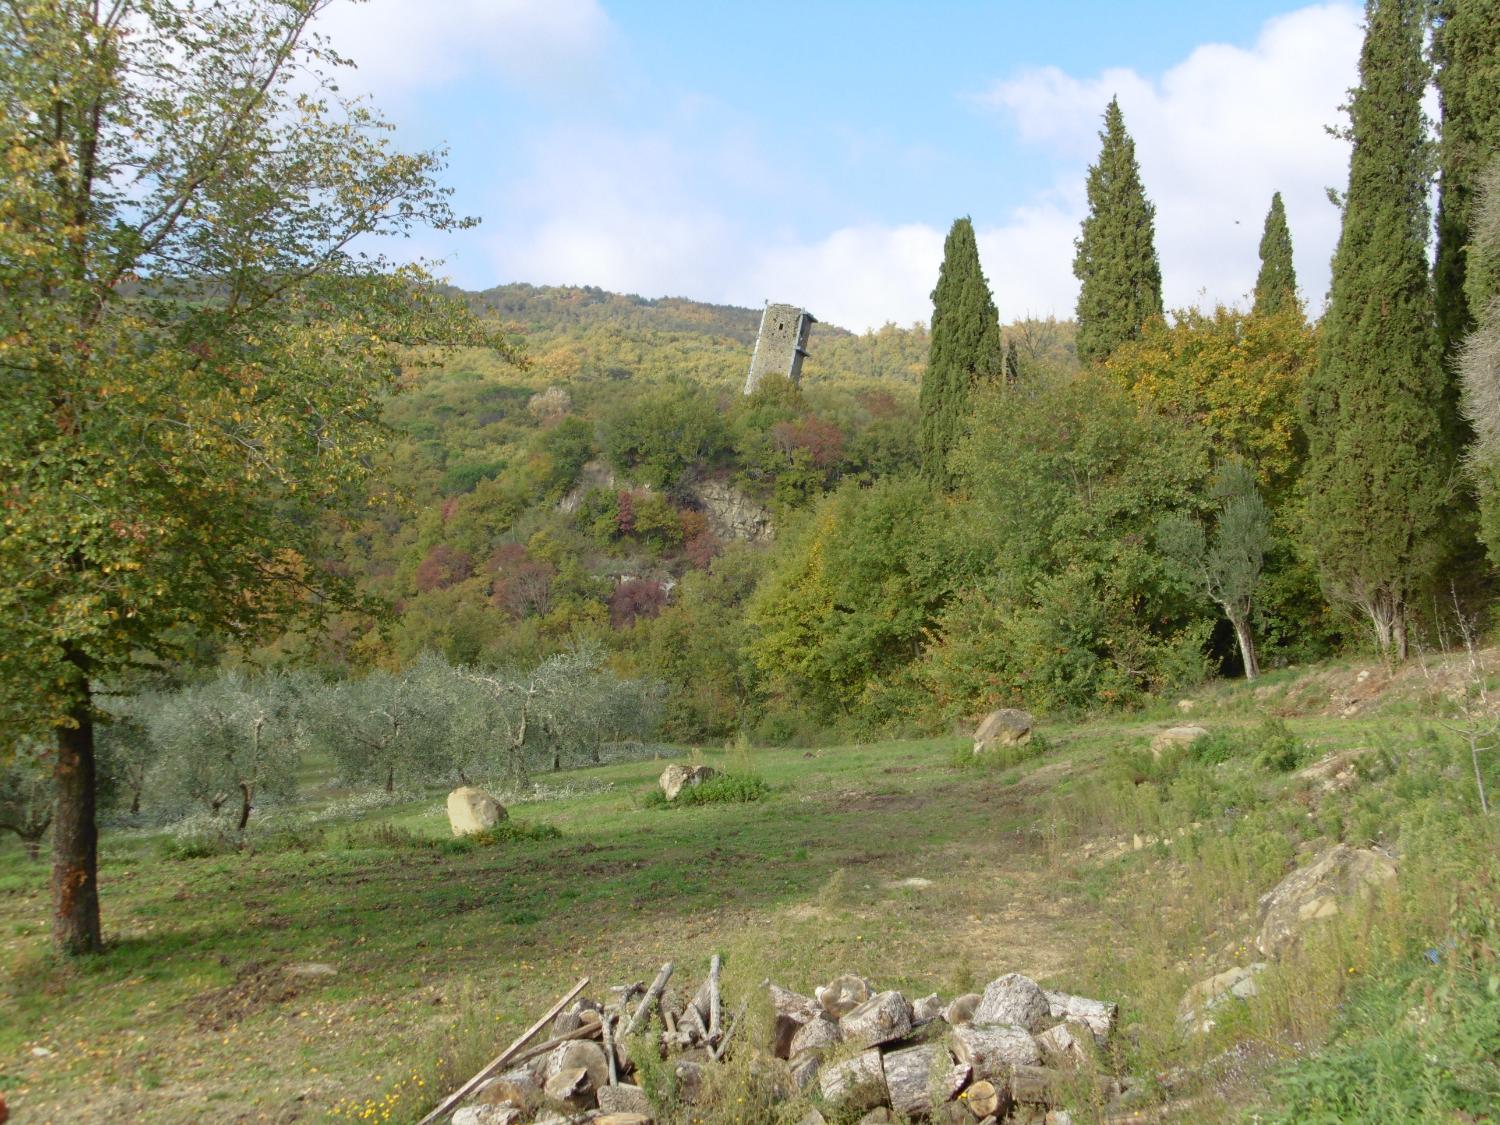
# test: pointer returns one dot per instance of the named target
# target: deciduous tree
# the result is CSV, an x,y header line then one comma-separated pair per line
x,y
196,341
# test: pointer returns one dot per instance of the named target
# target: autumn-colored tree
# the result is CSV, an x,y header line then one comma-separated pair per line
x,y
196,347
1240,375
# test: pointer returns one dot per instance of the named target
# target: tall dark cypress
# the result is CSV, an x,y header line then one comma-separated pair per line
x,y
1116,252
1466,45
965,349
1378,463
1276,284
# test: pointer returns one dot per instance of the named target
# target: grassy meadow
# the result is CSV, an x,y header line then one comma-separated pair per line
x,y
1083,862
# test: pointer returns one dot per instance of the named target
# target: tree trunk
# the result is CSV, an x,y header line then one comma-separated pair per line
x,y
135,802
33,847
75,835
1247,646
1398,632
390,779
244,805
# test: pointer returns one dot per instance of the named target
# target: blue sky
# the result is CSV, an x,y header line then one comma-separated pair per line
x,y
816,153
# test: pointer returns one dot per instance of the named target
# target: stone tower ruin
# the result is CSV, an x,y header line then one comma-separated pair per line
x,y
781,344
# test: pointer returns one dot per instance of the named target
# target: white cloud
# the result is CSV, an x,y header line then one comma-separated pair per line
x,y
1215,137
401,45
692,207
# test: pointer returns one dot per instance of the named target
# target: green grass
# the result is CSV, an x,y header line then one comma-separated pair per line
x,y
882,858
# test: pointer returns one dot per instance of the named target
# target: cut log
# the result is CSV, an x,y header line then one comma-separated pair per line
x,y
624,1099
570,1088
804,1068
991,1052
580,1053
551,1044
1069,1044
985,1099
1013,1000
609,1049
917,1077
1100,1015
927,1009
844,994
816,1035
722,1045
651,996
789,1011
961,1010
953,1113
690,1078
880,1115
624,1119
855,1084
882,1018
521,1088
715,1003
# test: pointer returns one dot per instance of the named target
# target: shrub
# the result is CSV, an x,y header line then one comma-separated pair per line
x,y
506,832
1001,757
1277,748
722,789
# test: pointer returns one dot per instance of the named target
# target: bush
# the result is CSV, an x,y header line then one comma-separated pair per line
x,y
506,832
1001,757
722,789
1277,748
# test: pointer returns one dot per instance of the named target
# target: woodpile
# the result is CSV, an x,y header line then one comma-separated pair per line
x,y
1013,1053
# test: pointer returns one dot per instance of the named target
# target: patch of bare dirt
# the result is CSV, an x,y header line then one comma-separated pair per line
x,y
256,986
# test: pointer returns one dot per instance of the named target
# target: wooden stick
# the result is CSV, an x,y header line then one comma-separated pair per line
x,y
587,1031
609,1047
651,994
445,1106
714,1005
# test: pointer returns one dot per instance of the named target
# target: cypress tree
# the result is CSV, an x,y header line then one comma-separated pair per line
x,y
965,349
1276,285
1116,252
1377,467
1466,45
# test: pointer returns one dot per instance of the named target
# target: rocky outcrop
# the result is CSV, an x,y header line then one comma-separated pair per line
x,y
473,810
1005,727
731,514
1338,876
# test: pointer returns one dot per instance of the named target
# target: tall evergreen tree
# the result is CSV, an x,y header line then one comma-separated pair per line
x,y
1378,464
1116,252
965,349
1276,284
1466,45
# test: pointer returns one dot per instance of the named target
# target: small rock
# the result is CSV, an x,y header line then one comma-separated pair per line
x,y
1014,1000
1005,727
813,1117
311,969
42,1053
1185,706
878,1116
473,810
624,1119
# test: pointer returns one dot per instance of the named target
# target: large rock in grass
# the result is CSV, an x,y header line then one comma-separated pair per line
x,y
1014,1000
1005,727
1176,736
677,777
473,810
1194,1014
1322,889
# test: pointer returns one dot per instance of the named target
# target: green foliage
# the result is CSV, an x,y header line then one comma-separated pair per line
x,y
26,795
966,350
1465,45
1116,261
1276,284
658,436
853,596
507,831
1069,604
1479,360
1003,756
729,788
1379,457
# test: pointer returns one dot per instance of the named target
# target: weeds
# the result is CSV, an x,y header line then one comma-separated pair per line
x,y
1001,757
722,789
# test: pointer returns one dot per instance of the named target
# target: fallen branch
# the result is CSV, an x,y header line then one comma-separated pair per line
x,y
446,1106
651,994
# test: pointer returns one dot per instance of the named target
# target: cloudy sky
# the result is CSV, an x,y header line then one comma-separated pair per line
x,y
816,152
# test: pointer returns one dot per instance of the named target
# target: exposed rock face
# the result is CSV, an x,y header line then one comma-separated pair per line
x,y
676,777
1005,727
1014,1000
731,514
1176,736
1338,876
473,810
1198,1003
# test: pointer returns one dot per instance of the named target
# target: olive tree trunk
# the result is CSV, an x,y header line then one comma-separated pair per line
x,y
75,834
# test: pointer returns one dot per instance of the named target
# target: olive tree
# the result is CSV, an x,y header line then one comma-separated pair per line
x,y
387,724
197,338
228,742
26,795
1225,561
